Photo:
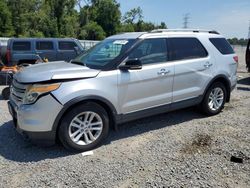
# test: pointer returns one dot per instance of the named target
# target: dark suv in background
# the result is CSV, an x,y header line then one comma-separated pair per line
x,y
29,50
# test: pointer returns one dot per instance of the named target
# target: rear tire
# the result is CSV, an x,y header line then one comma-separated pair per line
x,y
214,99
84,127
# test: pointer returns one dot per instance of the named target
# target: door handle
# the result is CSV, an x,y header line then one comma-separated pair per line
x,y
163,72
207,65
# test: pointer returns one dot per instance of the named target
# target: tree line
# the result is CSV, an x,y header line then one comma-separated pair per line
x,y
82,19
236,41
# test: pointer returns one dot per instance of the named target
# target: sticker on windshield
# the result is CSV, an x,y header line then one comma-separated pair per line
x,y
121,42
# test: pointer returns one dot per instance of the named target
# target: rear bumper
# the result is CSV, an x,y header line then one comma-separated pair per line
x,y
233,82
233,87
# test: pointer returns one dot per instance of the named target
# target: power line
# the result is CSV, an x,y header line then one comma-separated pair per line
x,y
186,19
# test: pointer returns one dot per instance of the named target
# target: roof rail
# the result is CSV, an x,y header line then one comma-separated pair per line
x,y
185,30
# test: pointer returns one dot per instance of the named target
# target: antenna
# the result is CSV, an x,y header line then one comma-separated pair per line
x,y
186,19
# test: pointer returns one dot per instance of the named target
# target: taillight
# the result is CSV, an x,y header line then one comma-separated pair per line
x,y
8,55
236,59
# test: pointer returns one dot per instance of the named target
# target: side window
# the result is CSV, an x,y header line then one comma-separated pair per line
x,y
44,45
150,51
66,45
186,48
222,45
21,46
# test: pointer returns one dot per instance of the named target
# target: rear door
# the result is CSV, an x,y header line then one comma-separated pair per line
x,y
193,67
66,50
152,85
46,49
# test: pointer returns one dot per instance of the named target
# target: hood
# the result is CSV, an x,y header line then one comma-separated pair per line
x,y
54,71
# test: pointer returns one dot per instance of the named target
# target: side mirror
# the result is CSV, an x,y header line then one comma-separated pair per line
x,y
131,64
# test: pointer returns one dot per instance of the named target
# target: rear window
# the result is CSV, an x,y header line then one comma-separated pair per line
x,y
43,45
65,45
21,46
222,45
186,48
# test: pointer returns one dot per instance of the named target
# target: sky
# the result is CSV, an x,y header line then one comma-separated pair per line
x,y
230,17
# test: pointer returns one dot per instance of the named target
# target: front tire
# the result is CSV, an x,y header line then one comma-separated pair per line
x,y
214,99
84,127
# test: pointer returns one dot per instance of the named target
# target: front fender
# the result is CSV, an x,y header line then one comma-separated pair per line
x,y
81,99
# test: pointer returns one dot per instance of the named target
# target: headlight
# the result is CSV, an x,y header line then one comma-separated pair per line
x,y
34,91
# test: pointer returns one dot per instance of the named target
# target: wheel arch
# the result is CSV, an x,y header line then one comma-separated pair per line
x,y
223,79
107,105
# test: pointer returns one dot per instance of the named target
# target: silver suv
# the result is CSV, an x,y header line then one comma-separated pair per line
x,y
123,78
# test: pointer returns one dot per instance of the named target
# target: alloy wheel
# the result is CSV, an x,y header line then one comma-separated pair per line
x,y
85,128
216,98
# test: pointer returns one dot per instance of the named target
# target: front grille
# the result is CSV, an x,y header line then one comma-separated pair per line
x,y
17,91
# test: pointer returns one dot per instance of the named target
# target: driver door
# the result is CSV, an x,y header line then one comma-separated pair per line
x,y
150,86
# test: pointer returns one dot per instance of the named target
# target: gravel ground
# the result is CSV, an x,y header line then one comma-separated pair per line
x,y
178,149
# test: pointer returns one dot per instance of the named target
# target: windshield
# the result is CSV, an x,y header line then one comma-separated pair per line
x,y
104,53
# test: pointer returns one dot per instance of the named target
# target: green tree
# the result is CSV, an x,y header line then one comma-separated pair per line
x,y
18,10
107,14
84,15
92,31
162,26
103,15
95,19
70,25
126,28
63,11
133,15
144,26
133,21
6,28
236,41
25,17
47,23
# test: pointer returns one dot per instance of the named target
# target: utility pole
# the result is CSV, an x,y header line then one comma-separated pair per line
x,y
186,19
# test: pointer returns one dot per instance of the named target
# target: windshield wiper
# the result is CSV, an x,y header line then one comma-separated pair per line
x,y
78,62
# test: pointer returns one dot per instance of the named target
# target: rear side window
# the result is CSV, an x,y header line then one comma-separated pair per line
x,y
21,46
186,48
65,45
222,45
44,45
